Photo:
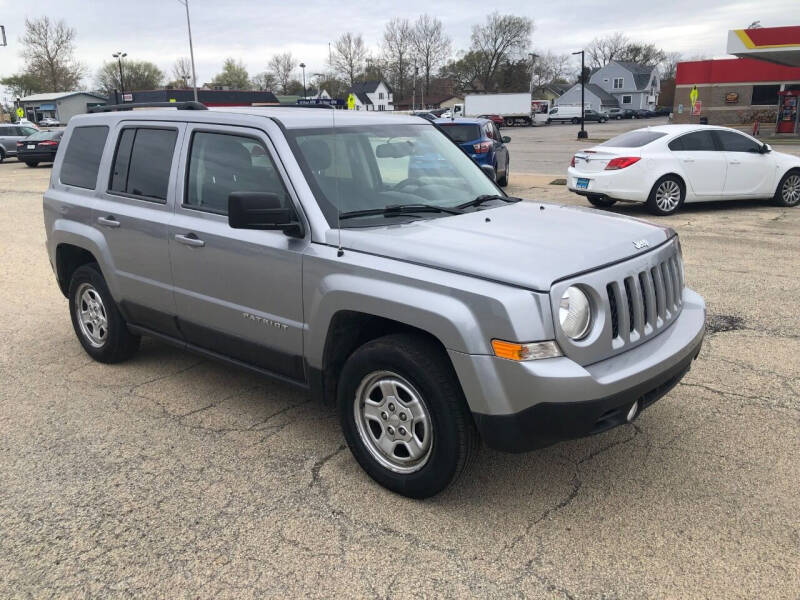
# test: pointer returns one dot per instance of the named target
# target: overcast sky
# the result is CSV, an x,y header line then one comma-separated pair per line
x,y
155,30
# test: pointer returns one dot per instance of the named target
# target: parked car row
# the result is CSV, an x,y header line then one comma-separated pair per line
x,y
28,144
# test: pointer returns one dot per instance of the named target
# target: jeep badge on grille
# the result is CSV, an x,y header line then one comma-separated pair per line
x,y
639,244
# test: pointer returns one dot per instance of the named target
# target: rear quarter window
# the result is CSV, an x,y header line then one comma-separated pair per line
x,y
82,156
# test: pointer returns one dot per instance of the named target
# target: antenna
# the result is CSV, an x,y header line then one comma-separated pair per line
x,y
339,251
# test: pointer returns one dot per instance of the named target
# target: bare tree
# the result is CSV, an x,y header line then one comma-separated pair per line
x,y
501,38
348,56
641,53
669,65
265,81
398,50
281,66
48,50
549,67
431,47
602,51
182,71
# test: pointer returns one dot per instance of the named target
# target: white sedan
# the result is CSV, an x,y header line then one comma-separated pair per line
x,y
668,165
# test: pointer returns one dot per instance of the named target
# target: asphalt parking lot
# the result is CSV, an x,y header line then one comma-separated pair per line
x,y
173,476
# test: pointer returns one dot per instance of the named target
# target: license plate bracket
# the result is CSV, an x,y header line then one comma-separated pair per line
x,y
582,183
31,146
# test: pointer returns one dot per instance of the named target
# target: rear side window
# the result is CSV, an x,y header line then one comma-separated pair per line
x,y
699,141
735,142
82,157
633,139
142,162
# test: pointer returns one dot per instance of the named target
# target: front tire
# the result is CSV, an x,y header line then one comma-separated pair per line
x,y
404,415
667,196
32,163
788,192
575,120
503,181
100,327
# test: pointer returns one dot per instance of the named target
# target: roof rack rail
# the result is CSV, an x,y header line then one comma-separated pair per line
x,y
188,105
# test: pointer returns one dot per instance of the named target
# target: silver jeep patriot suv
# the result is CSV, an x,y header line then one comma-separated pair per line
x,y
366,258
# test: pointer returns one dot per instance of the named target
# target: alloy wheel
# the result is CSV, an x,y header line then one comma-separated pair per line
x,y
91,315
790,192
393,422
668,195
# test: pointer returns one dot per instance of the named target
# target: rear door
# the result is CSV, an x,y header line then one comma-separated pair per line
x,y
704,165
750,174
237,291
132,214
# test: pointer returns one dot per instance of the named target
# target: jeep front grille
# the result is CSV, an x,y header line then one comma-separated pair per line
x,y
644,303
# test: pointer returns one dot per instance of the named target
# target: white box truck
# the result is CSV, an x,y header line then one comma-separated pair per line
x,y
514,108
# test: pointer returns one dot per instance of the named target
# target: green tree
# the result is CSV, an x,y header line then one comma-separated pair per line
x,y
136,75
23,84
234,75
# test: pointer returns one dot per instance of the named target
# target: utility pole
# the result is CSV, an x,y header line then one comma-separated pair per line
x,y
582,133
303,66
191,47
533,64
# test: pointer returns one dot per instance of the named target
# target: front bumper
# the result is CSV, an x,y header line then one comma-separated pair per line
x,y
519,406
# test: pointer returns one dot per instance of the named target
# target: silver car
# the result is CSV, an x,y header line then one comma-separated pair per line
x,y
10,134
365,258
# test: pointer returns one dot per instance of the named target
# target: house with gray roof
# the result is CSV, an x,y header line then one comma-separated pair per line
x,y
619,84
372,95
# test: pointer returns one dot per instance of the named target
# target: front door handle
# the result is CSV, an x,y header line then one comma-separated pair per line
x,y
687,160
734,162
108,221
190,239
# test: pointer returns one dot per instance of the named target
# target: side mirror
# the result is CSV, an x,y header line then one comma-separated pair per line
x,y
506,139
765,148
261,210
489,171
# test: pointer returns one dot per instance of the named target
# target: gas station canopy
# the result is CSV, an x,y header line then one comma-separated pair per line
x,y
780,45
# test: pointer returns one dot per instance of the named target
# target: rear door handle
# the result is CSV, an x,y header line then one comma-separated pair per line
x,y
190,239
688,160
108,221
734,162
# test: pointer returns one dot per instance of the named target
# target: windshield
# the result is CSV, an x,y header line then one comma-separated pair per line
x,y
633,139
375,166
461,133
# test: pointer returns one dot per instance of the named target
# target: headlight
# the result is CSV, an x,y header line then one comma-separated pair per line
x,y
575,313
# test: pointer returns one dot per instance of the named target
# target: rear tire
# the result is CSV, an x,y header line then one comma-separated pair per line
x,y
575,120
402,387
2,155
100,327
600,201
667,196
32,163
788,192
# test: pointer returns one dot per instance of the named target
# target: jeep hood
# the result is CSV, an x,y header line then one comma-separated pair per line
x,y
526,244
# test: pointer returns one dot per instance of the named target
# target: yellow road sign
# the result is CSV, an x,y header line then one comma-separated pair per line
x,y
351,102
693,96
20,112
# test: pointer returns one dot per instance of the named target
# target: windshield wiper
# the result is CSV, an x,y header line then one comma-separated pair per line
x,y
399,209
487,198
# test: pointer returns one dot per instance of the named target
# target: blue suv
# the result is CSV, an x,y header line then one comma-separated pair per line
x,y
481,139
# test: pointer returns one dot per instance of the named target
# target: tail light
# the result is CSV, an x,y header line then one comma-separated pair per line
x,y
482,148
20,144
621,162
572,162
48,143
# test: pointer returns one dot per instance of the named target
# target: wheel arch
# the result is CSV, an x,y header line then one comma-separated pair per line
x,y
791,169
68,258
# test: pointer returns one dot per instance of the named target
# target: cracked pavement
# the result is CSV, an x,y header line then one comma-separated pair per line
x,y
175,476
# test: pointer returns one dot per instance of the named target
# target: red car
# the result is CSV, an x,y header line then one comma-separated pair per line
x,y
496,119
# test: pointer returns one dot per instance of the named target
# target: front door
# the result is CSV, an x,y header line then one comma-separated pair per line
x,y
237,291
132,212
703,164
751,173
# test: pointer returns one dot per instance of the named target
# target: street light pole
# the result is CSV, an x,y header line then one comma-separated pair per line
x,y
191,48
303,66
582,133
119,56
